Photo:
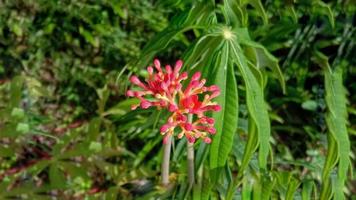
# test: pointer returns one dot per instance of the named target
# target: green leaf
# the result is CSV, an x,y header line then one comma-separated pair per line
x,y
18,113
16,91
94,129
251,145
198,16
23,128
257,4
200,55
122,108
226,119
307,189
336,120
56,177
310,105
256,105
95,146
326,10
292,188
263,58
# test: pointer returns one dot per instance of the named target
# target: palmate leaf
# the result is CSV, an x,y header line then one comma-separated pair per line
x,y
226,119
336,120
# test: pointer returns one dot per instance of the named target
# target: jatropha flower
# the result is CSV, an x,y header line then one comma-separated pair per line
x,y
163,89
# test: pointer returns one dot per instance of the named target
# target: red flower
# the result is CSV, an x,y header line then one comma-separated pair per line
x,y
164,90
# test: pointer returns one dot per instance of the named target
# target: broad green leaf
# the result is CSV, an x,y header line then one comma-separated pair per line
x,y
336,120
226,119
255,102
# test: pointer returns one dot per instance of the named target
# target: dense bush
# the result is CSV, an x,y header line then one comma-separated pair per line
x,y
285,70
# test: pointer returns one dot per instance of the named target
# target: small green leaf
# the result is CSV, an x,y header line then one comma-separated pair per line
x,y
310,105
95,146
18,113
16,91
23,128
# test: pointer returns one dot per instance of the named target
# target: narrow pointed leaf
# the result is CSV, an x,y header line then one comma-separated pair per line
x,y
226,119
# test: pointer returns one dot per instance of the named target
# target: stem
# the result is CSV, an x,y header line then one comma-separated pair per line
x,y
190,156
165,162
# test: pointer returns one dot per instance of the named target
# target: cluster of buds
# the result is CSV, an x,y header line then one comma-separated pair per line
x,y
164,89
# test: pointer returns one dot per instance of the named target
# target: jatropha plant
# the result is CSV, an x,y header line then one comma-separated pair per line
x,y
188,106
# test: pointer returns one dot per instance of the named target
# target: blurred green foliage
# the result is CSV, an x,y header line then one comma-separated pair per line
x,y
67,132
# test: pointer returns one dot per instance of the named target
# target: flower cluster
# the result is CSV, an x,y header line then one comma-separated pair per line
x,y
164,89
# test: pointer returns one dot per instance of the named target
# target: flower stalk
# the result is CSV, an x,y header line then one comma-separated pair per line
x,y
165,161
190,157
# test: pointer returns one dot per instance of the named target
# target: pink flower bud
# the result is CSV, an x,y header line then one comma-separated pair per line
x,y
214,88
210,120
172,107
164,85
190,139
130,93
215,94
183,76
216,108
196,76
134,79
211,130
188,126
207,140
168,69
178,66
164,128
145,104
150,70
157,65
133,107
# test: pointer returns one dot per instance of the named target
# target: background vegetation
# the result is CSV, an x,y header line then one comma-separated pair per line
x,y
287,129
